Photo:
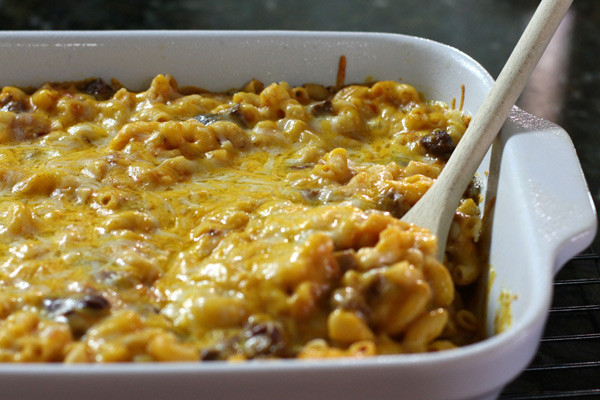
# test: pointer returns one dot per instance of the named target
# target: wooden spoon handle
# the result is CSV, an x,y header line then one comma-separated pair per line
x,y
436,208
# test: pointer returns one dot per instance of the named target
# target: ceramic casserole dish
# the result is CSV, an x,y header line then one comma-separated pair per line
x,y
542,212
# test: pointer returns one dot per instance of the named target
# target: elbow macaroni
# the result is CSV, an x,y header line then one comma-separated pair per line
x,y
178,225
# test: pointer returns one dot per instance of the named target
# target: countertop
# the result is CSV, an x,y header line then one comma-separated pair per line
x,y
565,88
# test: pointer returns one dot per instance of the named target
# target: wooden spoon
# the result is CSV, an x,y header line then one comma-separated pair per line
x,y
437,207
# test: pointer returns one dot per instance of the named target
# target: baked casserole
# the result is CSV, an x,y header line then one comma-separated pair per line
x,y
176,224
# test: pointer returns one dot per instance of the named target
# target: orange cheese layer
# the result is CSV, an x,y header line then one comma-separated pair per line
x,y
171,225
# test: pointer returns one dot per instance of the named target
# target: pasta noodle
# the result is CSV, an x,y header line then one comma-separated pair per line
x,y
175,224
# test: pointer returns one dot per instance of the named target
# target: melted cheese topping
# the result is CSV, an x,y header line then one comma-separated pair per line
x,y
183,225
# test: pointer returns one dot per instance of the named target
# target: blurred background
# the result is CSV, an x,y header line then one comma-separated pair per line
x,y
565,89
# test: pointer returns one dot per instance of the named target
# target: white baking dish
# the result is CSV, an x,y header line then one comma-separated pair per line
x,y
543,211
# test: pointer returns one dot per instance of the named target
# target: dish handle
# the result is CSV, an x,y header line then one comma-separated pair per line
x,y
561,213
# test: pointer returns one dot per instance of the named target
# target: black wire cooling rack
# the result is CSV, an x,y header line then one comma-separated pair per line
x,y
567,365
